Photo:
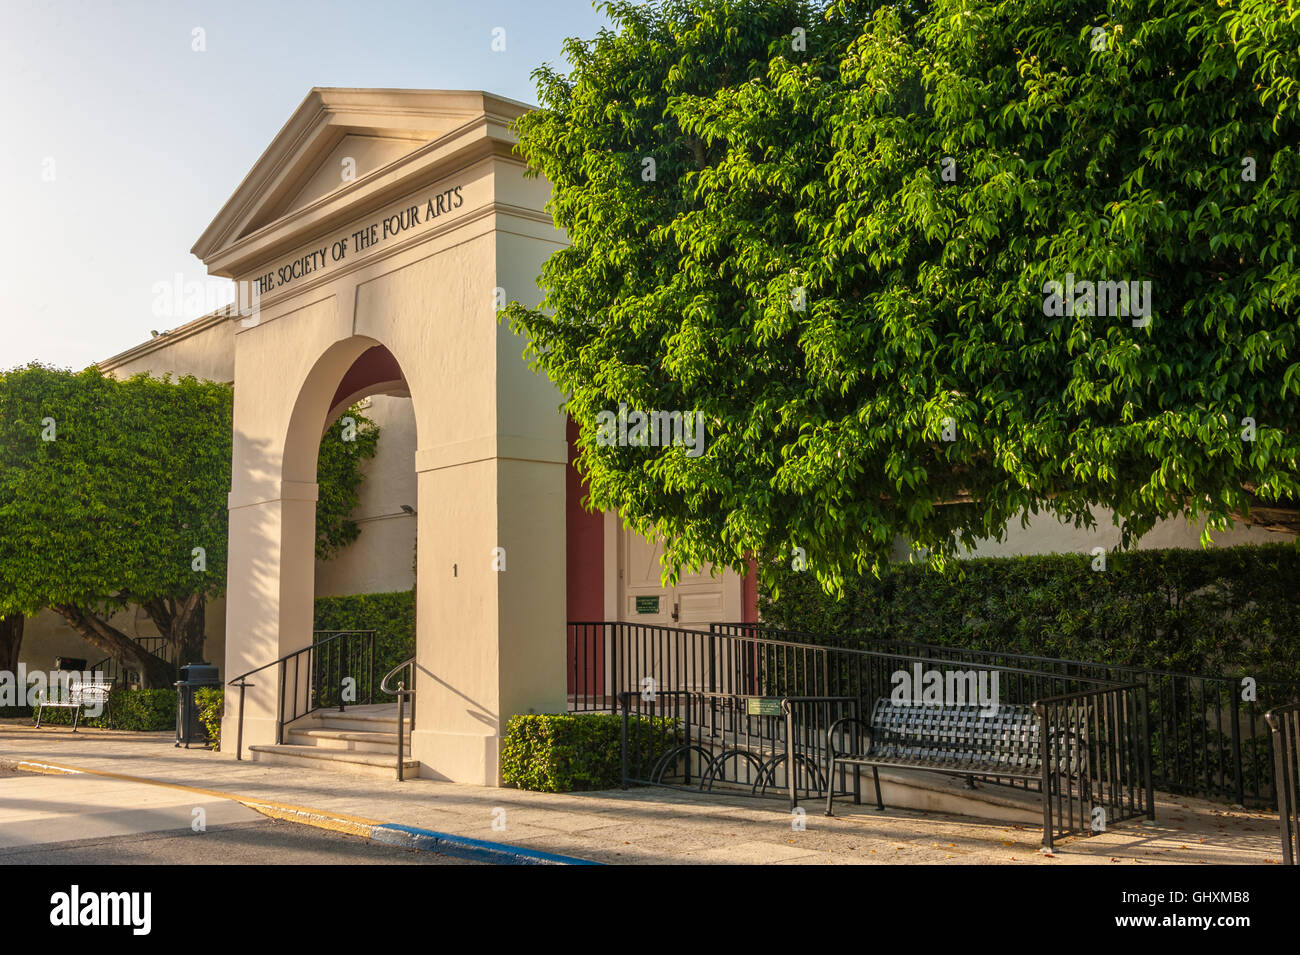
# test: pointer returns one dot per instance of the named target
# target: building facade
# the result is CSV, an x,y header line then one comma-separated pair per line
x,y
372,245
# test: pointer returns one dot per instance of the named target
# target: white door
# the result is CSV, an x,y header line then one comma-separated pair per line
x,y
697,601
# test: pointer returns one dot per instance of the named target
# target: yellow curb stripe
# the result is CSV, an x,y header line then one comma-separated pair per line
x,y
315,819
45,769
319,818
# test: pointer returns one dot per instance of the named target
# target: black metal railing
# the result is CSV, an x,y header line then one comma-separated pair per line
x,y
740,710
1208,733
698,739
1100,736
124,675
1284,726
337,669
607,659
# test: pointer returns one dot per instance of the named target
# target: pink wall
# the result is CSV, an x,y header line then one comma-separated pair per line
x,y
584,546
749,593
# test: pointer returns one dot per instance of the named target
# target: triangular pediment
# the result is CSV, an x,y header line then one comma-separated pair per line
x,y
341,143
355,156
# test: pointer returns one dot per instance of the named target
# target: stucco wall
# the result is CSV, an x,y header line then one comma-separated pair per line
x,y
204,348
382,558
47,636
1044,534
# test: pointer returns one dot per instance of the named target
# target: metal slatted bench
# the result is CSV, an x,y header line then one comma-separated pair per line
x,y
955,740
80,696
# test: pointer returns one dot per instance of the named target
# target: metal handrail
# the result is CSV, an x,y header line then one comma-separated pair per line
x,y
402,694
115,670
383,684
1284,722
241,681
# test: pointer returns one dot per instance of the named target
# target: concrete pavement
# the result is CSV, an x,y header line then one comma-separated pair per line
x,y
41,809
643,825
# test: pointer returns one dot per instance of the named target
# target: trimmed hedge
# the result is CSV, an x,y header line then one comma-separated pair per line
x,y
1222,611
144,711
392,617
209,701
576,752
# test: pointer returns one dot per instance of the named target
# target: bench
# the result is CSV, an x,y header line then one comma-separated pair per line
x,y
965,741
80,696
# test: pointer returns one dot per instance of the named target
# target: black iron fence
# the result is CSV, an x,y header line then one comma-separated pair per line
x,y
739,710
1284,723
1107,728
342,668
118,674
1208,733
336,670
707,740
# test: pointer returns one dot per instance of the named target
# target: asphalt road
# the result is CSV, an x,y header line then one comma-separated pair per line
x,y
266,842
115,822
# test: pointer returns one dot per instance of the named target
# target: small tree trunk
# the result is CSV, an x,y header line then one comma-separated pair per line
x,y
191,636
11,639
182,623
155,672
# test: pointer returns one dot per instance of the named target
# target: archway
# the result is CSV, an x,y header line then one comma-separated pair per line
x,y
390,281
338,715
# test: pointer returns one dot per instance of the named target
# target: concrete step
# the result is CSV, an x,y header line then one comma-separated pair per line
x,y
910,789
939,792
359,719
352,741
332,760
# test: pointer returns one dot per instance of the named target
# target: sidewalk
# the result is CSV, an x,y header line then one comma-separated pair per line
x,y
643,825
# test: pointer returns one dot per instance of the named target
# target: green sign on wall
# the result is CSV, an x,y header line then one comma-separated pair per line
x,y
647,604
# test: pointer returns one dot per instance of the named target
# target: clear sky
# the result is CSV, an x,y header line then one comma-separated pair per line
x,y
121,141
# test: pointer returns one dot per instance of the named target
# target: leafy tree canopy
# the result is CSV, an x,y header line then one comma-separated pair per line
x,y
113,493
347,443
841,256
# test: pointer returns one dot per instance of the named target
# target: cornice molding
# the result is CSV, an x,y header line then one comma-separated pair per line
x,y
166,339
230,245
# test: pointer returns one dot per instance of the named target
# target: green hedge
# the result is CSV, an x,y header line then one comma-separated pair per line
x,y
1221,611
573,752
139,710
209,701
390,615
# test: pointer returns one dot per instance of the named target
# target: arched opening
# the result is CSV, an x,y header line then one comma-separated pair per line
x,y
354,418
372,397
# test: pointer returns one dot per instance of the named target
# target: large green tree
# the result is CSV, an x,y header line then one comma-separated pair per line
x,y
113,494
833,232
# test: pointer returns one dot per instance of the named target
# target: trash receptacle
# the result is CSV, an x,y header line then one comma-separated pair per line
x,y
189,728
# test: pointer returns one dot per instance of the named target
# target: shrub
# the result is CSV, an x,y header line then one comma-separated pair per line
x,y
144,711
390,615
574,752
1221,611
210,701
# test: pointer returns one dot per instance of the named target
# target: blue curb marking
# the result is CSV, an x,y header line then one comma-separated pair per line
x,y
463,847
